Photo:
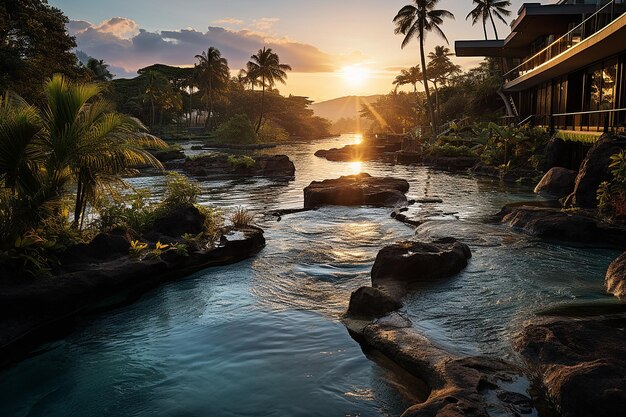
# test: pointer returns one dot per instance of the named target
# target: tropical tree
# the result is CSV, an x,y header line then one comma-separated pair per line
x,y
415,21
213,75
266,69
99,70
440,68
486,9
76,137
154,86
411,76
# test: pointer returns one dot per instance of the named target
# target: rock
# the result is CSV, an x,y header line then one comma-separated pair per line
x,y
593,171
219,166
360,152
451,162
357,190
558,182
615,280
168,155
180,221
104,246
371,302
410,262
582,363
455,386
556,154
550,223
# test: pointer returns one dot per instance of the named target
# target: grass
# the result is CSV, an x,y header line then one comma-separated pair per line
x,y
242,217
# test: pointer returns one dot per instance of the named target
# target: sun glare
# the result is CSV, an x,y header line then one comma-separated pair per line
x,y
355,75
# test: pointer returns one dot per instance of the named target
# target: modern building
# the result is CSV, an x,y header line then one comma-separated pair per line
x,y
564,64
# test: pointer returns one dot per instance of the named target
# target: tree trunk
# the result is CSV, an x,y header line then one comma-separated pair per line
x,y
258,126
433,120
437,97
485,29
78,206
494,25
153,112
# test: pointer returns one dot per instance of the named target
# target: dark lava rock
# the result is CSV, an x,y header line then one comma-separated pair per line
x,y
458,386
451,162
582,363
558,182
168,155
218,165
550,223
593,171
413,262
103,247
357,190
360,152
371,302
180,221
615,280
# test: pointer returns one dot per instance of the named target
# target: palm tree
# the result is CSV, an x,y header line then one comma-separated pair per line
x,y
154,85
412,76
265,65
440,68
415,21
85,139
486,9
99,70
213,75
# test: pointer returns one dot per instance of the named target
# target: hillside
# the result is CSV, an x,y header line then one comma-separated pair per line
x,y
343,107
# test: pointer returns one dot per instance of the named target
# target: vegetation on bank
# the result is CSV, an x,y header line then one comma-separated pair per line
x,y
62,169
612,194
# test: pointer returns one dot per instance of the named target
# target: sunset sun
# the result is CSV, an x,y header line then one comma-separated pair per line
x,y
355,75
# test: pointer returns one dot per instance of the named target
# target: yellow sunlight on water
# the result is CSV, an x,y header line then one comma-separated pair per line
x,y
356,167
355,75
358,139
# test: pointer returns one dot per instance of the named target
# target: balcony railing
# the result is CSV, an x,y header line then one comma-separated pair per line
x,y
587,28
613,120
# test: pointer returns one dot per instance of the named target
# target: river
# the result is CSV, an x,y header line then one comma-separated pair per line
x,y
263,337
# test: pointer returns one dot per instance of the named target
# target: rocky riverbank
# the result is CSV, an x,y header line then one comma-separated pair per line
x,y
232,166
102,275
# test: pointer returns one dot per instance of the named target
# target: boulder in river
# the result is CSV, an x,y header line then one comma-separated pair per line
x,y
357,190
558,182
186,219
594,170
404,263
556,224
615,280
371,302
223,165
581,362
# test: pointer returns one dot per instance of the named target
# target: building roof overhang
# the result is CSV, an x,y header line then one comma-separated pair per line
x,y
606,42
534,21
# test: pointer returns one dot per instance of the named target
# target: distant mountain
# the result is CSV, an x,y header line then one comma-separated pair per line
x,y
343,107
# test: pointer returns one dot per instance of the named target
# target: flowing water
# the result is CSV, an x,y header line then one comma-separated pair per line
x,y
263,337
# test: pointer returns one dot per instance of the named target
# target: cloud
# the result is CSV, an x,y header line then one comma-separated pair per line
x,y
264,23
123,44
229,21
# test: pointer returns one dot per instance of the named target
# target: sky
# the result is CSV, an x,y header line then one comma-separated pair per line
x,y
335,47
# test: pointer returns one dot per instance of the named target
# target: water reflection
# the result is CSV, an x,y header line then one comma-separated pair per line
x,y
266,330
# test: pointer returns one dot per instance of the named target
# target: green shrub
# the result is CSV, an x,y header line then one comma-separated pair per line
x,y
238,129
447,150
270,132
180,191
241,161
611,196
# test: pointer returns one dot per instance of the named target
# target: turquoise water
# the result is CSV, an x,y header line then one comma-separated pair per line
x,y
263,337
